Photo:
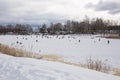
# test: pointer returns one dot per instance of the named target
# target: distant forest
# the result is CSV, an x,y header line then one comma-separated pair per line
x,y
86,26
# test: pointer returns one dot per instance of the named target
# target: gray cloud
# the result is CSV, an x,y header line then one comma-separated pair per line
x,y
44,11
112,7
28,11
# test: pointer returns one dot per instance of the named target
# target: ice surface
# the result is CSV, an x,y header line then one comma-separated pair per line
x,y
72,48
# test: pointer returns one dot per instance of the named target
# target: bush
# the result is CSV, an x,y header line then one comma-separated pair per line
x,y
98,65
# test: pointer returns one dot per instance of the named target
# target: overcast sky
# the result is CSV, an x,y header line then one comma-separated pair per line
x,y
46,11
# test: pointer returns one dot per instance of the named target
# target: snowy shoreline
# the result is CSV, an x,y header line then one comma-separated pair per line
x,y
14,68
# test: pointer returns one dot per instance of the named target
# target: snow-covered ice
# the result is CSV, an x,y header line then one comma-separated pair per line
x,y
15,68
72,48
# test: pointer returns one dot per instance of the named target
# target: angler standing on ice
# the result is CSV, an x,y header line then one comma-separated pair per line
x,y
108,41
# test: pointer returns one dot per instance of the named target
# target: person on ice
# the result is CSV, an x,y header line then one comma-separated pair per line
x,y
108,41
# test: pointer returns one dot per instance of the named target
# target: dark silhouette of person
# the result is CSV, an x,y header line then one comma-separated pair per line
x,y
108,41
99,39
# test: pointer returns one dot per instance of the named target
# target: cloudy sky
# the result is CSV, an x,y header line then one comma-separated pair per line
x,y
46,11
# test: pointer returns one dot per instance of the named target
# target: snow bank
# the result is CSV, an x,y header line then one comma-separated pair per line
x,y
14,68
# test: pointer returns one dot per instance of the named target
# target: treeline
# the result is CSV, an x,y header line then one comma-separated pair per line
x,y
86,26
15,29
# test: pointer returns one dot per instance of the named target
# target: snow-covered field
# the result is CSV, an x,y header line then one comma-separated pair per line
x,y
14,68
72,48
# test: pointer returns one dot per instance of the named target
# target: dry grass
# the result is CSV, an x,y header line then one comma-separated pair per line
x,y
75,64
113,36
117,74
50,57
17,52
